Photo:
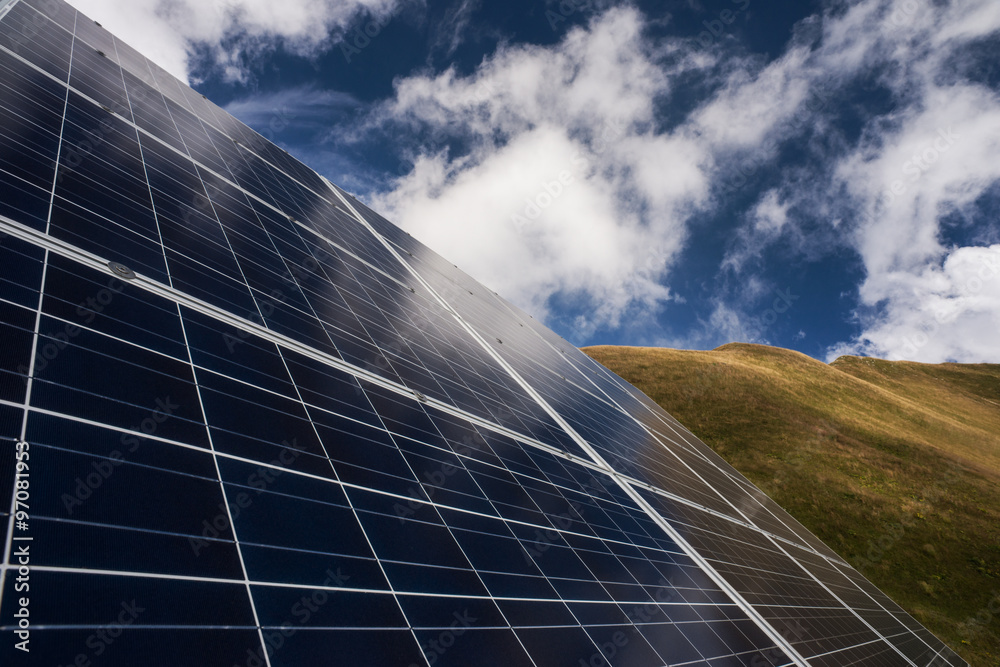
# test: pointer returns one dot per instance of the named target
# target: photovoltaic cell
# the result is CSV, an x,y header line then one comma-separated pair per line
x,y
284,432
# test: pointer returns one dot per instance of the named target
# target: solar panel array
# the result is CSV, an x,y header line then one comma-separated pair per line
x,y
245,420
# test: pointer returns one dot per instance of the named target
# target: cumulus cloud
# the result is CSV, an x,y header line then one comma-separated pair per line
x,y
168,31
565,188
939,313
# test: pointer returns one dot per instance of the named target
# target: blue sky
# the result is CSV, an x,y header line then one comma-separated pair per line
x,y
820,175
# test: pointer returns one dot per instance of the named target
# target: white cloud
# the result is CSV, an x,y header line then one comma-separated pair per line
x,y
771,213
937,314
165,30
304,109
587,107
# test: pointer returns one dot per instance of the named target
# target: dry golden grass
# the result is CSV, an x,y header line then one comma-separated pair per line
x,y
895,465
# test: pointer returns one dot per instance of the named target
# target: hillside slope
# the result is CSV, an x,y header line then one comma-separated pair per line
x,y
895,465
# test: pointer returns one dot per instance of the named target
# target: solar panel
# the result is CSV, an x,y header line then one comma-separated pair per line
x,y
245,420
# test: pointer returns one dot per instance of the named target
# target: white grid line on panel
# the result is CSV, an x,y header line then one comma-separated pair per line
x,y
597,458
9,544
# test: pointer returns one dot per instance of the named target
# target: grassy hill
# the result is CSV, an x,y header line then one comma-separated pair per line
x,y
895,465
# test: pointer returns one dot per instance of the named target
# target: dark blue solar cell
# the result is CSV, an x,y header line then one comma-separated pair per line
x,y
17,326
297,646
99,547
445,612
136,644
101,442
320,608
407,541
296,566
87,488
23,202
67,599
558,646
264,517
473,646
